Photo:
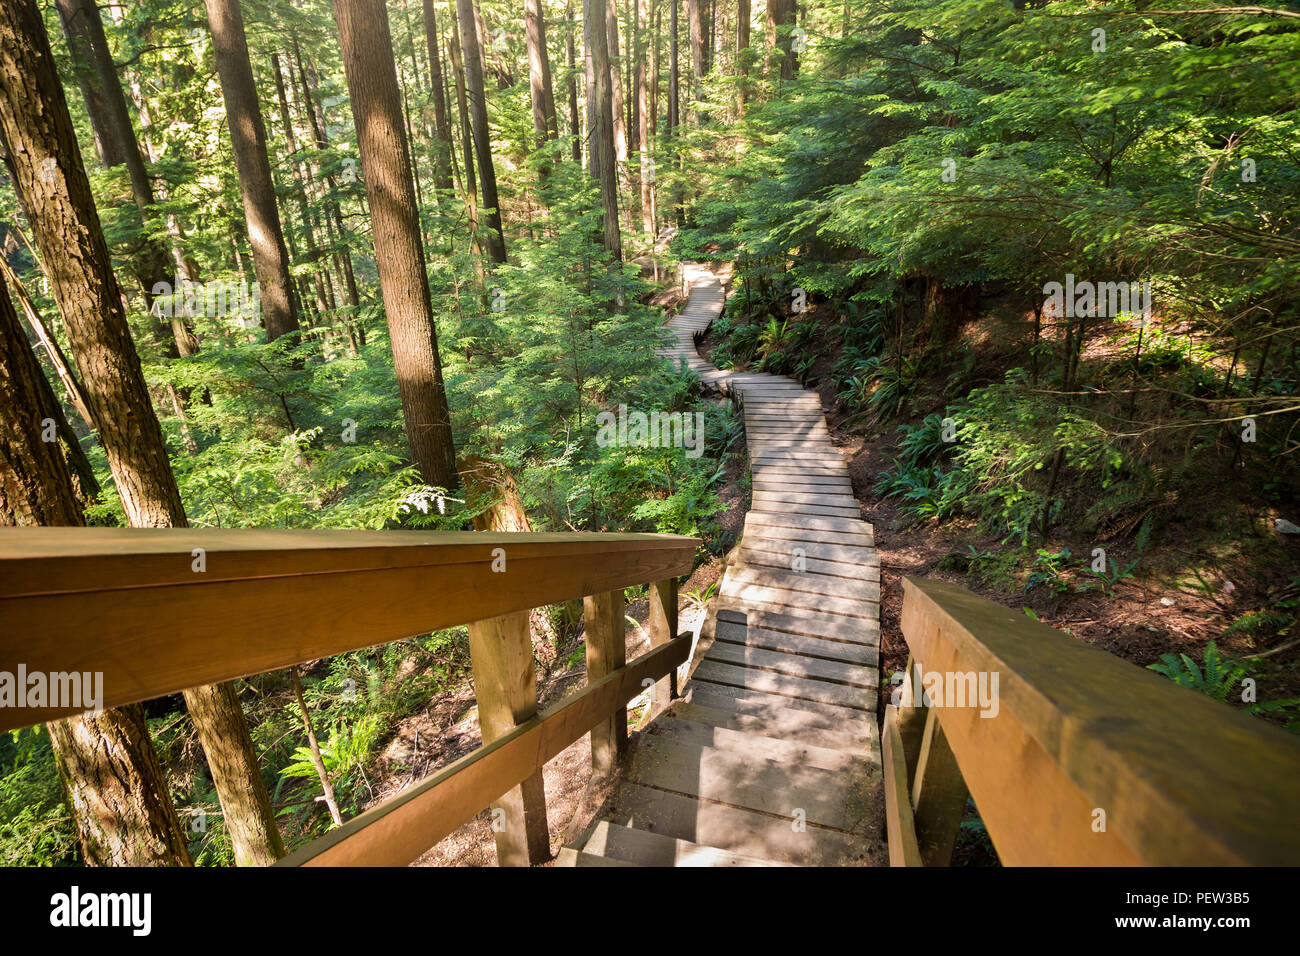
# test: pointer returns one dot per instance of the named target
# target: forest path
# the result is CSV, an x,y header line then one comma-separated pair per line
x,y
772,755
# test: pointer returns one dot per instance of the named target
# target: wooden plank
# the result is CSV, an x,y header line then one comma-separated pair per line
x,y
606,644
903,850
571,857
129,604
662,627
833,627
731,633
644,848
866,606
505,686
754,743
742,701
939,795
795,665
782,685
784,723
1078,730
761,558
402,828
733,829
826,798
857,589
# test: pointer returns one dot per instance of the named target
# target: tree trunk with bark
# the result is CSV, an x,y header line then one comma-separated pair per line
x,y
743,18
603,157
51,182
248,140
367,50
780,14
441,119
112,780
487,176
575,125
115,139
539,73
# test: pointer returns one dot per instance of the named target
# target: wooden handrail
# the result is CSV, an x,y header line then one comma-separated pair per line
x,y
157,611
1085,759
401,829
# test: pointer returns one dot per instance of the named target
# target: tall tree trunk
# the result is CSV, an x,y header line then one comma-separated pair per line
x,y
368,63
487,176
113,782
35,124
695,22
743,18
467,154
604,165
115,139
674,73
333,212
441,121
248,140
780,13
323,304
645,121
539,73
575,125
616,92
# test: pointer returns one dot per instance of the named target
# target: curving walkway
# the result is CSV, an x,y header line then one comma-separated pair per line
x,y
772,755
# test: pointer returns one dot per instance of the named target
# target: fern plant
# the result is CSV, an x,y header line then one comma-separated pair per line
x,y
1216,676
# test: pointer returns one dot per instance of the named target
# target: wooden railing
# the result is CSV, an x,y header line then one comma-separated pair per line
x,y
1072,756
158,611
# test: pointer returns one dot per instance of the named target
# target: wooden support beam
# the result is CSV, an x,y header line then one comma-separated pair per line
x,y
663,628
899,823
912,715
606,640
402,828
505,686
939,795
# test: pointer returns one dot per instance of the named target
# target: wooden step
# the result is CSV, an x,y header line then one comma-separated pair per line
x,y
866,607
793,665
784,723
756,743
635,847
739,831
761,558
838,801
842,651
783,685
855,589
568,856
739,700
832,627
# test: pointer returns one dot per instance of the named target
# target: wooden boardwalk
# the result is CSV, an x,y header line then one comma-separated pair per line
x,y
772,755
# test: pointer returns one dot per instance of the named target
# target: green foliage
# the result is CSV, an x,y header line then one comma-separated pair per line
x,y
1216,677
35,826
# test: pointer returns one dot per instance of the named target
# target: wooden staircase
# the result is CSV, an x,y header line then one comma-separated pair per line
x,y
771,757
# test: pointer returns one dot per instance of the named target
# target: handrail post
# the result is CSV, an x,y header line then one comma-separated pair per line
x,y
505,686
938,795
663,628
606,640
